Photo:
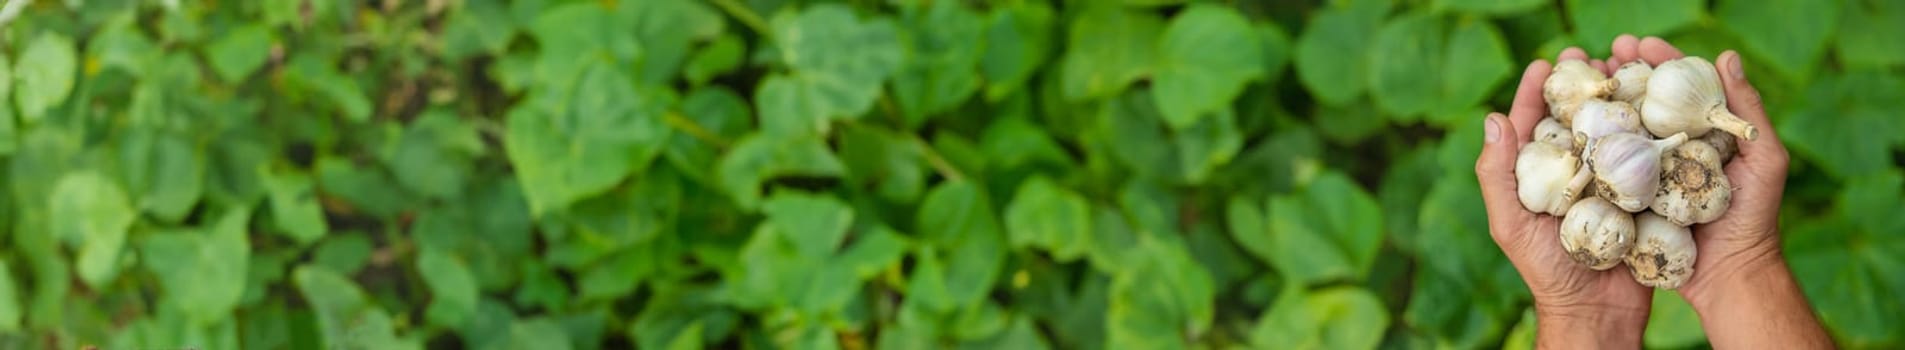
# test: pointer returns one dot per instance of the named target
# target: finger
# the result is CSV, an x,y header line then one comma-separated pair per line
x,y
1744,101
1495,171
1529,106
1654,51
1626,49
1601,66
1572,53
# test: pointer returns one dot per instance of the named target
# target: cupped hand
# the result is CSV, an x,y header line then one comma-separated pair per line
x,y
1576,306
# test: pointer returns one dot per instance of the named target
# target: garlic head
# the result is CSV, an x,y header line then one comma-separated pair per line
x,y
1548,177
1663,252
1693,187
1571,83
1633,77
1684,96
1551,131
1596,233
1597,118
1626,167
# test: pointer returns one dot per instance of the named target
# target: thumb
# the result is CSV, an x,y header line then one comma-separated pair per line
x,y
1495,168
1744,101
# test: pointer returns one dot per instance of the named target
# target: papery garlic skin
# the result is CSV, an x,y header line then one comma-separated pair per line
x,y
1626,167
1633,77
1663,253
1725,143
1551,131
1693,186
1548,177
1571,83
1684,96
1596,233
1597,118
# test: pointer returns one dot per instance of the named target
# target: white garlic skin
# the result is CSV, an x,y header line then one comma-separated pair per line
x,y
1663,252
1626,167
1548,177
1693,186
1551,131
1571,83
1596,233
1633,77
1597,118
1684,96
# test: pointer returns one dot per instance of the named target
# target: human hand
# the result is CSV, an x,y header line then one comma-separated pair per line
x,y
1576,306
1741,285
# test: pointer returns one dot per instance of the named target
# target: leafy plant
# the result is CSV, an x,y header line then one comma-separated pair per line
x,y
901,174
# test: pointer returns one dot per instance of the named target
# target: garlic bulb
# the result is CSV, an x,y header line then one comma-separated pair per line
x,y
1627,167
1663,252
1551,131
1633,77
1548,177
1571,83
1725,143
1684,96
1693,186
1596,233
1597,118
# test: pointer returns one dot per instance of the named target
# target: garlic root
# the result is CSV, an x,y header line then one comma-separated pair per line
x,y
1693,187
1596,233
1663,252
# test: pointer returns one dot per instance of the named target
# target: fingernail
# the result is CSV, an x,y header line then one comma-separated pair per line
x,y
1738,69
1492,131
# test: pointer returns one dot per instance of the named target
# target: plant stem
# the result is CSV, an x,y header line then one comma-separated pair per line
x,y
742,13
693,129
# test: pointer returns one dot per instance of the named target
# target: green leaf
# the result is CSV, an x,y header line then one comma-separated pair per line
x,y
719,57
10,312
538,333
1489,7
479,26
944,40
1871,34
602,133
1209,144
839,62
165,171
294,206
815,224
92,211
1673,323
452,289
1017,41
1477,62
1596,23
345,252
1162,299
888,161
716,111
1206,56
1108,48
1330,49
335,299
1046,216
1277,50
1844,124
202,270
240,52
757,159
873,252
44,74
1330,230
958,219
1332,318
1399,80
666,29
434,155
1791,35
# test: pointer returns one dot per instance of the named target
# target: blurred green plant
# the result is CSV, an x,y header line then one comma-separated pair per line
x,y
1012,174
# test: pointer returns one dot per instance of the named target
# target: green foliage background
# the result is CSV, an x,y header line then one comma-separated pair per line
x,y
862,174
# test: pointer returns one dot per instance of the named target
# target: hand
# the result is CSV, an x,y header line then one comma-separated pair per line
x,y
1576,306
1740,285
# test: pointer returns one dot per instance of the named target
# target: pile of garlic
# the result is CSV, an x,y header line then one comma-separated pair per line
x,y
1630,162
